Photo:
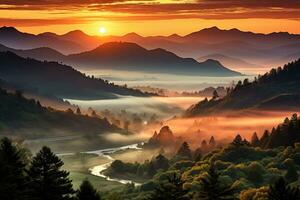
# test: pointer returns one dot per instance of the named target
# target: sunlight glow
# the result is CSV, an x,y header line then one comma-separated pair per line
x,y
102,30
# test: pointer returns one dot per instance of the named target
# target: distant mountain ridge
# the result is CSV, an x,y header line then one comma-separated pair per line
x,y
130,57
56,79
256,48
276,90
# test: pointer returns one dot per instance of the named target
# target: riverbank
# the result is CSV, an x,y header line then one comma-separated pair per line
x,y
92,164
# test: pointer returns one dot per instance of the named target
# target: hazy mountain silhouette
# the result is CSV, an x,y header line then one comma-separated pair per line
x,y
256,48
41,53
130,56
53,78
275,90
231,62
11,37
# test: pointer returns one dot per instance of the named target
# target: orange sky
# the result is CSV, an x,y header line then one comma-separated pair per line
x,y
150,17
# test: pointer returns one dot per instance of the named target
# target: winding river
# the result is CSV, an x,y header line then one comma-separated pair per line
x,y
99,169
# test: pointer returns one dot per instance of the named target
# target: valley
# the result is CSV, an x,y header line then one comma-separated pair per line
x,y
146,117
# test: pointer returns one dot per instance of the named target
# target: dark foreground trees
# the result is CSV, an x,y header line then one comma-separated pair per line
x,y
211,187
172,189
47,180
42,179
281,191
87,192
13,179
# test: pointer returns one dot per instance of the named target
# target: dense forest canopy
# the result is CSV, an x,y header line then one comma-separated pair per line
x,y
277,89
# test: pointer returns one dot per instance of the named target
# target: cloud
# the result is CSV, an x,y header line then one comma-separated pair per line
x,y
120,10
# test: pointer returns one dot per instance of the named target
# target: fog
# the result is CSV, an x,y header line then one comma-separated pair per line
x,y
163,107
225,128
167,81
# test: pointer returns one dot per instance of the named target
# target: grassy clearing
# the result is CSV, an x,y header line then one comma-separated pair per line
x,y
79,164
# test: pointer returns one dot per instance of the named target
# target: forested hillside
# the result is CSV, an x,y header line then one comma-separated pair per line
x,y
23,118
245,170
53,78
277,89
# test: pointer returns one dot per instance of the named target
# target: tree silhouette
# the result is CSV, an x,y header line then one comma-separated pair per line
x,y
215,95
185,150
172,189
211,187
48,181
281,191
78,111
254,140
291,174
237,141
12,169
212,142
87,192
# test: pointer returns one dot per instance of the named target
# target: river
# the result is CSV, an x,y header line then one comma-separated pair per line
x,y
99,169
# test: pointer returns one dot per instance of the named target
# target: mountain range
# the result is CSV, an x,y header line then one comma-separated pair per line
x,y
52,78
129,57
272,49
276,90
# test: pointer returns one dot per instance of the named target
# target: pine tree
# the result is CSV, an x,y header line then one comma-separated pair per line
x,y
151,169
264,139
197,155
185,150
291,175
87,192
172,189
13,180
215,95
78,111
48,181
212,142
254,140
238,141
281,191
211,187
161,162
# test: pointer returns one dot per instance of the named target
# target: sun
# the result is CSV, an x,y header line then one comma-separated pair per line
x,y
102,30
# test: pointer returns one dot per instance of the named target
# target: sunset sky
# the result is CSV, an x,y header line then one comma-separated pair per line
x,y
150,17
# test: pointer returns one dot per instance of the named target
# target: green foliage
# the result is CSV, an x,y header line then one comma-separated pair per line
x,y
13,179
47,180
281,191
185,151
172,189
212,188
28,119
87,192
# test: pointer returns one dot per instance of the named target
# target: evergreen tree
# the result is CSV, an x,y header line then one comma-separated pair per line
x,y
238,141
281,191
172,189
264,139
215,95
48,181
13,180
211,187
151,169
291,175
161,162
254,140
212,142
78,111
87,192
185,150
198,155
